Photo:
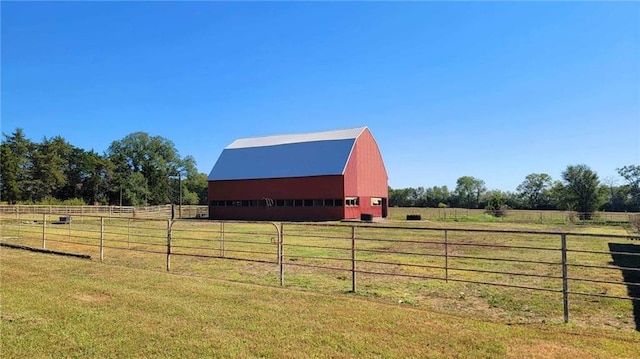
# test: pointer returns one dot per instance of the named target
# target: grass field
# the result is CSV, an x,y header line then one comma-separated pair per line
x,y
317,267
65,307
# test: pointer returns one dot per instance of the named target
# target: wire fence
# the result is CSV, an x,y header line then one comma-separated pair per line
x,y
395,213
512,215
551,273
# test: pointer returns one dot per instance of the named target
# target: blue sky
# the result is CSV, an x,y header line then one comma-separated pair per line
x,y
493,90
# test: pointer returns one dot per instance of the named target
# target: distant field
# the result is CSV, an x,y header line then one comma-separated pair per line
x,y
64,307
517,216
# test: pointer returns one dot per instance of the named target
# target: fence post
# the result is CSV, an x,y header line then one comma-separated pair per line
x,y
565,286
281,254
101,239
44,231
169,223
353,259
446,256
129,233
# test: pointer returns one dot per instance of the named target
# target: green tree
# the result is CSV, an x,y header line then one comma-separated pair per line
x,y
631,174
198,185
399,197
581,190
437,195
534,190
49,162
468,190
15,166
496,203
88,175
146,170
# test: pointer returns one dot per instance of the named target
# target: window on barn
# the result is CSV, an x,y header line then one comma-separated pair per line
x,y
328,203
297,203
351,201
308,203
279,203
376,201
337,202
288,203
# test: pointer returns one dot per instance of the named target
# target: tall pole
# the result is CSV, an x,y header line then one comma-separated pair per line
x,y
180,205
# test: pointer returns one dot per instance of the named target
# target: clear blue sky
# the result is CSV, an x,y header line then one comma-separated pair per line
x,y
492,90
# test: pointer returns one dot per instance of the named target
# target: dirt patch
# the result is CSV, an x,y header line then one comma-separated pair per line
x,y
91,298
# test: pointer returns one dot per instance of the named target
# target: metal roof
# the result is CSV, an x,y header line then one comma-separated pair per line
x,y
296,155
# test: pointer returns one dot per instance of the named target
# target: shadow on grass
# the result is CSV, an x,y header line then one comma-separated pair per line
x,y
627,256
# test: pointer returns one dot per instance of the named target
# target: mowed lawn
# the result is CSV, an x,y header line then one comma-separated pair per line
x,y
65,307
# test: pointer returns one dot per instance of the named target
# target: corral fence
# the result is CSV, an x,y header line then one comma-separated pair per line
x,y
396,213
164,211
566,271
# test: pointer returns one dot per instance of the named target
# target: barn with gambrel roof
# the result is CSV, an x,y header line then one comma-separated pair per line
x,y
330,175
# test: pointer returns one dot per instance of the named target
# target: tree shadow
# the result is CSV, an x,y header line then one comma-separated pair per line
x,y
626,256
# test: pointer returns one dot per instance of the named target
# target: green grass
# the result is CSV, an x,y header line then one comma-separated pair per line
x,y
63,307
142,244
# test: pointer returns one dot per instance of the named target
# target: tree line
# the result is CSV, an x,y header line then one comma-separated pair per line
x,y
580,190
147,170
137,170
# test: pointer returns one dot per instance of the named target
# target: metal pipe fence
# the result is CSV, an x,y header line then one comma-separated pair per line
x,y
577,268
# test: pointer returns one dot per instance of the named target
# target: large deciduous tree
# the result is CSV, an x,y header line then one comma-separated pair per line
x,y
534,190
581,190
149,170
437,196
631,174
468,190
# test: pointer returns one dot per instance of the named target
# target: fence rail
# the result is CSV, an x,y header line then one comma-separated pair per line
x,y
368,257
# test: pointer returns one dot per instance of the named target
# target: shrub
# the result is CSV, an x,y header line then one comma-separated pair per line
x,y
498,211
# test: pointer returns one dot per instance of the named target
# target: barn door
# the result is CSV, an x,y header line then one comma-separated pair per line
x,y
384,208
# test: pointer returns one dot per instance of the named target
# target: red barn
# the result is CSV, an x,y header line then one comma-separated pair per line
x,y
317,176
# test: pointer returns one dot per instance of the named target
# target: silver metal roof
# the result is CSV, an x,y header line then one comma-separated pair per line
x,y
296,155
350,133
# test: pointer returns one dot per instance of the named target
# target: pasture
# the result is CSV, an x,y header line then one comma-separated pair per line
x,y
66,307
491,273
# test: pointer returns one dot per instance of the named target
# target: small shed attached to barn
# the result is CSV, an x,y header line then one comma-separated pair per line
x,y
330,175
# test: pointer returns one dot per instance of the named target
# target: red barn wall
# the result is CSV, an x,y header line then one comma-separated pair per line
x,y
317,187
365,177
278,188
